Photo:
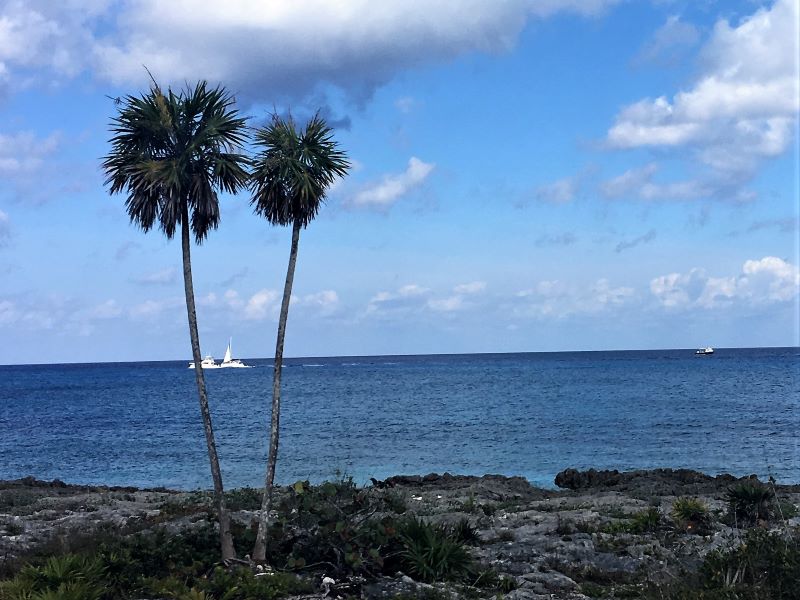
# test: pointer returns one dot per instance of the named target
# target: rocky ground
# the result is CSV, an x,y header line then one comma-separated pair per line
x,y
583,540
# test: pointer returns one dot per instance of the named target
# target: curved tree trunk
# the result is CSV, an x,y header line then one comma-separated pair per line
x,y
226,540
260,547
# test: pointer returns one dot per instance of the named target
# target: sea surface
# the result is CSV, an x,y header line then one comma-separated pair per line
x,y
515,414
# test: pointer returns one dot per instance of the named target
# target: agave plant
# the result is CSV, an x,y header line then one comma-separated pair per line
x,y
431,553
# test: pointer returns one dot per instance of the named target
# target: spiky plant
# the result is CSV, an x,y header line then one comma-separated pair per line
x,y
750,502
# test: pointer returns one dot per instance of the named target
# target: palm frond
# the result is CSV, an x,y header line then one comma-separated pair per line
x,y
175,149
293,169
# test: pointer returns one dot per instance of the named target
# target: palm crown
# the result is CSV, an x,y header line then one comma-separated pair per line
x,y
293,170
175,148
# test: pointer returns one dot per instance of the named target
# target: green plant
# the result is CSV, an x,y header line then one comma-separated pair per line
x,y
646,521
430,553
765,566
68,577
464,532
691,515
750,502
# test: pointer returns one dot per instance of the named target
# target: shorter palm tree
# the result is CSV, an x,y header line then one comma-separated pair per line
x,y
292,171
170,154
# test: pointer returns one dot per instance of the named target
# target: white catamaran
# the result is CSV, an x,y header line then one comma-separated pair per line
x,y
231,363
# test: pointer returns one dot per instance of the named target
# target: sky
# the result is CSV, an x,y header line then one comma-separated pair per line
x,y
528,175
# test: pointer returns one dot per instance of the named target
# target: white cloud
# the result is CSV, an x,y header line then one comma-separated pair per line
x,y
560,299
669,42
391,188
473,287
106,310
22,154
323,303
560,191
765,281
5,228
260,305
166,276
638,183
741,110
355,45
148,309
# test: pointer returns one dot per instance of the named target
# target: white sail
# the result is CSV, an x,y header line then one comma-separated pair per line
x,y
228,356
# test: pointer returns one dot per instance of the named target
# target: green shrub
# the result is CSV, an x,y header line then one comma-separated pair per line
x,y
245,498
462,531
750,502
68,577
646,521
765,566
691,515
430,553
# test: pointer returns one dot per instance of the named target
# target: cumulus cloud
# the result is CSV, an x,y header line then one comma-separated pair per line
x,y
637,241
262,304
354,45
151,309
390,188
740,111
166,276
324,303
764,281
639,183
559,299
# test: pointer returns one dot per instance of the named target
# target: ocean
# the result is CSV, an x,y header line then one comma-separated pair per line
x,y
530,414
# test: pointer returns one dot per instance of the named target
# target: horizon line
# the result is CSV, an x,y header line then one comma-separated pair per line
x,y
122,362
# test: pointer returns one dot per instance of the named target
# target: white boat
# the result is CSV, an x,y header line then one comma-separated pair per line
x,y
231,363
704,351
207,363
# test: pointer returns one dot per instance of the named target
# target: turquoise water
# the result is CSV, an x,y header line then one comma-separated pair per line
x,y
516,414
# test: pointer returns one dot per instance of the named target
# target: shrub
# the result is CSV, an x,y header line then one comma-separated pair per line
x,y
750,502
462,531
68,577
646,521
691,515
430,553
765,566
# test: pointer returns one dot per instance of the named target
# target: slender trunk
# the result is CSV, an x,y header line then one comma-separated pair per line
x,y
226,540
260,547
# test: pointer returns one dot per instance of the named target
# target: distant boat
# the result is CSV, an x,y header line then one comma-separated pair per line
x,y
231,363
206,363
704,351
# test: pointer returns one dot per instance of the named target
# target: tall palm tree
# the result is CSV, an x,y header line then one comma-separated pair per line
x,y
170,154
292,171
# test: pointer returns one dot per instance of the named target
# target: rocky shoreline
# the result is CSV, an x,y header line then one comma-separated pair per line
x,y
601,534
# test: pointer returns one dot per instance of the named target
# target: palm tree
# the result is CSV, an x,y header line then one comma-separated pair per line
x,y
171,154
292,172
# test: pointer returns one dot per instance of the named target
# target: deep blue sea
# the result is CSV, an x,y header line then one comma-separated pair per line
x,y
515,414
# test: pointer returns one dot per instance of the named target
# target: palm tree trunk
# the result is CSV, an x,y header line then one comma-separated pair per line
x,y
226,540
260,547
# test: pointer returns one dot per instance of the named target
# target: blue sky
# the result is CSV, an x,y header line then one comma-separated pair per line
x,y
530,175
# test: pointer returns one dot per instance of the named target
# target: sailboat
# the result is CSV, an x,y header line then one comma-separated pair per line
x,y
228,362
